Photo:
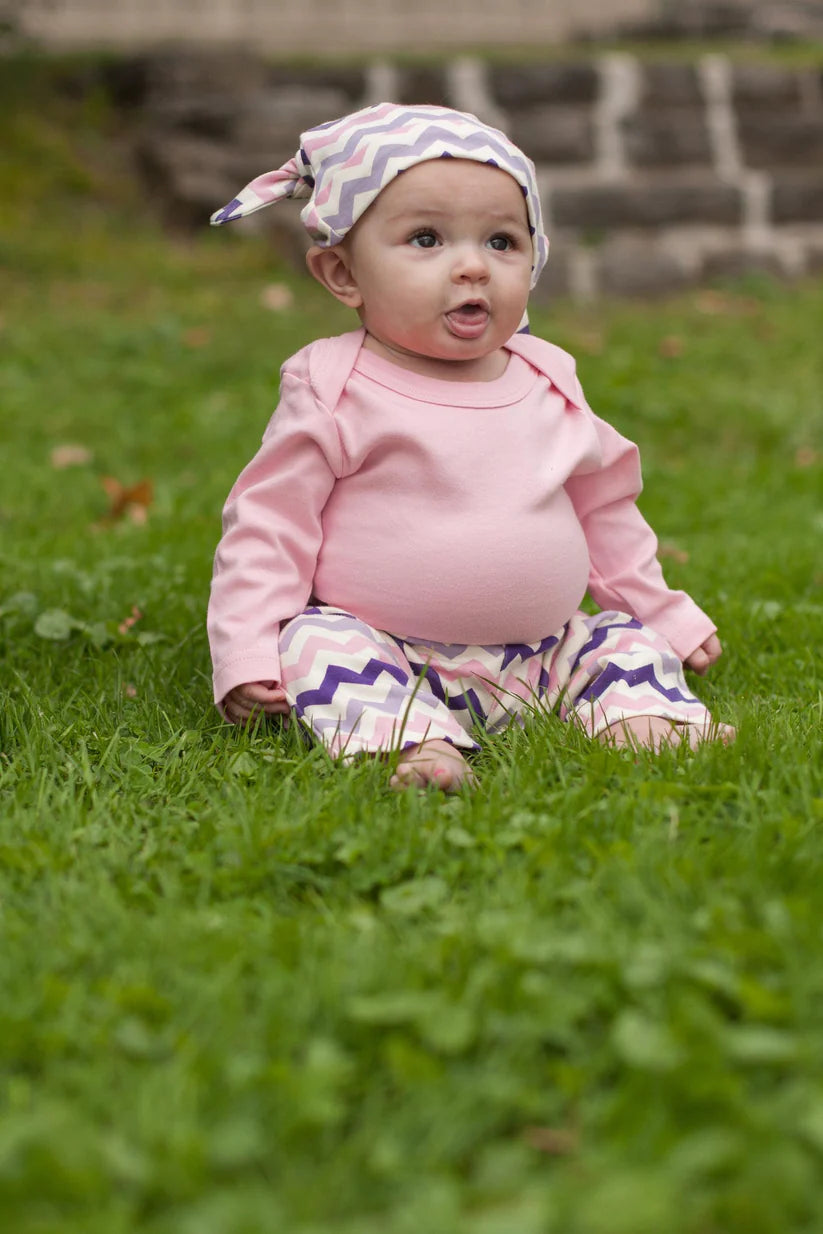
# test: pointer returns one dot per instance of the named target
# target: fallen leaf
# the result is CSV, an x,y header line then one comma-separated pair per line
x,y
723,303
590,341
671,346
556,1141
130,501
276,297
197,336
70,455
127,622
806,456
667,549
710,302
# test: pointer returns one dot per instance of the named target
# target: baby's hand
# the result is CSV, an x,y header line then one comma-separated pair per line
x,y
244,702
705,655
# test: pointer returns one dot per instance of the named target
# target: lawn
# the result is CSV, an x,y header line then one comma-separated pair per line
x,y
243,991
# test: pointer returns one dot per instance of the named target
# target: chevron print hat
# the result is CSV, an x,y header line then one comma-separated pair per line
x,y
343,165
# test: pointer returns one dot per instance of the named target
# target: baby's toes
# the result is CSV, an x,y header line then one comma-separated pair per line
x,y
449,775
440,769
407,775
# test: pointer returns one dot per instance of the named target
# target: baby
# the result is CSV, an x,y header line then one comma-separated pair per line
x,y
406,555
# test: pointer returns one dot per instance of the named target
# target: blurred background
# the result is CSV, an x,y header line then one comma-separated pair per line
x,y
676,142
323,26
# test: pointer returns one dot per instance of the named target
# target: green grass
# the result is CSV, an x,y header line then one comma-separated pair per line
x,y
242,991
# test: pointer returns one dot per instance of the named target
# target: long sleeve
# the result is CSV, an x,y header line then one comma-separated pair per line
x,y
625,573
265,561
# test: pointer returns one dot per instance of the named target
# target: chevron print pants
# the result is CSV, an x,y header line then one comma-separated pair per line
x,y
359,689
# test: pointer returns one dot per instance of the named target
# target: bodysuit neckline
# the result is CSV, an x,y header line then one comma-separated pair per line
x,y
512,385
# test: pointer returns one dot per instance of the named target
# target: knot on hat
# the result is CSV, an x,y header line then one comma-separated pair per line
x,y
273,186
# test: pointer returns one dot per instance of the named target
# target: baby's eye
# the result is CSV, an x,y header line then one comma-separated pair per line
x,y
423,239
502,243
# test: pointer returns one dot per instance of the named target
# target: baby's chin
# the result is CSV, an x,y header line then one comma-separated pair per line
x,y
445,366
450,352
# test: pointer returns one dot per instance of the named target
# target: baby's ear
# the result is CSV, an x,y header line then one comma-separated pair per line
x,y
332,268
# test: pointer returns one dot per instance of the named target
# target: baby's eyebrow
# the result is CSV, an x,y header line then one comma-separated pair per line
x,y
425,211
510,220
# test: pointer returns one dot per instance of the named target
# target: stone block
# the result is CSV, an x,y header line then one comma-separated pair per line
x,y
814,257
764,85
798,198
204,114
780,139
274,119
667,136
630,266
179,73
694,19
788,20
554,134
517,86
652,204
555,281
670,85
124,78
347,81
422,84
188,178
737,262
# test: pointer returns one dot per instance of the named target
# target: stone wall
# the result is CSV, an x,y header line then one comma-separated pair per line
x,y
728,19
653,175
325,26
281,27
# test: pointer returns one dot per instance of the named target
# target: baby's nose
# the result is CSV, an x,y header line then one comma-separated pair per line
x,y
470,264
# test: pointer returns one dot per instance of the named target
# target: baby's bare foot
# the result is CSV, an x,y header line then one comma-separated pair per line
x,y
653,733
433,762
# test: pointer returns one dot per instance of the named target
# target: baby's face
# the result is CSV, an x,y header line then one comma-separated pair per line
x,y
442,262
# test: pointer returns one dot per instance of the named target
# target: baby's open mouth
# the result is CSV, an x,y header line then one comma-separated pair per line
x,y
468,320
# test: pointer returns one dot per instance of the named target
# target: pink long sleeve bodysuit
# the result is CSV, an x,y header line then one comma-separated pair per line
x,y
466,513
